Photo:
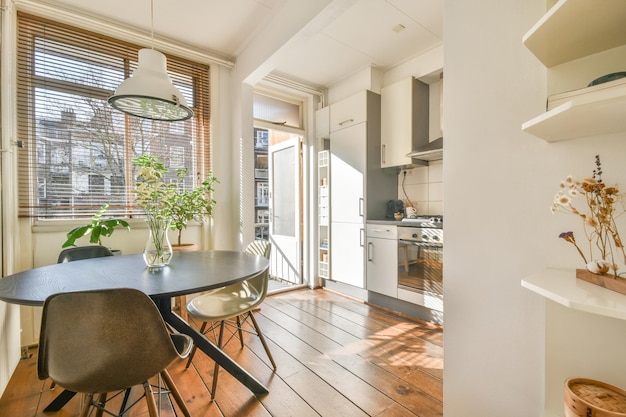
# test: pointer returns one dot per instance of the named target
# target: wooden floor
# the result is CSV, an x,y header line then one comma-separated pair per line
x,y
336,357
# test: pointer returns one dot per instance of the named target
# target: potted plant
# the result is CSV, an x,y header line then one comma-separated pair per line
x,y
170,200
96,229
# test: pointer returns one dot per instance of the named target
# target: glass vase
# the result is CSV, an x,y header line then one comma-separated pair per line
x,y
158,251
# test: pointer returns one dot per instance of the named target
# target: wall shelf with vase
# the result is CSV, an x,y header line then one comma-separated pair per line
x,y
563,287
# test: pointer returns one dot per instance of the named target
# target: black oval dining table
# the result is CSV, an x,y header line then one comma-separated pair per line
x,y
187,273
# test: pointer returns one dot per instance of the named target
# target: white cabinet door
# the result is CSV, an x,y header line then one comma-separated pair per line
x,y
382,260
348,112
347,173
347,253
404,120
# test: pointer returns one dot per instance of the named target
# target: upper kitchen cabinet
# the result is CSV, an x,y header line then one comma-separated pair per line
x,y
349,111
404,121
580,40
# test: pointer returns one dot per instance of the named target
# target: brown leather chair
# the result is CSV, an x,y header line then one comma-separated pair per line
x,y
102,341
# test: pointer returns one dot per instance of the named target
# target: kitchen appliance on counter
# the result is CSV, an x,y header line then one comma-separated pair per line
x,y
420,261
393,207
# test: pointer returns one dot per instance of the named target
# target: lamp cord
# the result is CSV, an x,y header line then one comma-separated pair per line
x,y
152,23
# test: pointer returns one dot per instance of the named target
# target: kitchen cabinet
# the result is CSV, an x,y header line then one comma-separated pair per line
x,y
352,111
558,39
404,120
360,188
348,243
348,161
382,259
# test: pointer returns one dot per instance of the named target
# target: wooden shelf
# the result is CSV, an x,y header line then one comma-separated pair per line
x,y
573,29
561,286
597,113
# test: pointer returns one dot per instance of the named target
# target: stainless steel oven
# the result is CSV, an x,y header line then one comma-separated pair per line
x,y
420,256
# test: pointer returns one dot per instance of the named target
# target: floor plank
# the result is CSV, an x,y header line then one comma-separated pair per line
x,y
336,357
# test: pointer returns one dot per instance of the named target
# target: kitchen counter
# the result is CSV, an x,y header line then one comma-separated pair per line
x,y
391,222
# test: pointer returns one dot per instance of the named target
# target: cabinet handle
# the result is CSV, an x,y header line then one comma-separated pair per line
x,y
382,154
362,238
346,121
361,207
370,251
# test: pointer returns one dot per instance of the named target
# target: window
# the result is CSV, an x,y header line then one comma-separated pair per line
x,y
78,149
276,111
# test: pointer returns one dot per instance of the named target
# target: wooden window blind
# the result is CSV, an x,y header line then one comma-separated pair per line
x,y
78,150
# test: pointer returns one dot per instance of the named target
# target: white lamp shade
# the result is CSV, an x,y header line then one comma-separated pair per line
x,y
149,92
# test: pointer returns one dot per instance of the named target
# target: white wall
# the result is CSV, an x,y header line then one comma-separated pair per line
x,y
495,212
498,187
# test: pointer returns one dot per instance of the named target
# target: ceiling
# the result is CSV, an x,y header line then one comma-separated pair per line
x,y
355,35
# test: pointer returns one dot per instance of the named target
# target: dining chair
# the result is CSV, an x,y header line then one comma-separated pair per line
x,y
236,301
76,253
103,341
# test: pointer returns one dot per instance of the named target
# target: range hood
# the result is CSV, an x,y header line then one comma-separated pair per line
x,y
433,151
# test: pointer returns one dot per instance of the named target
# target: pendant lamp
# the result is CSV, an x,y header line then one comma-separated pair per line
x,y
149,92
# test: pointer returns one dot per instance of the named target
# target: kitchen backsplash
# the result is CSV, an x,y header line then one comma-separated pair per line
x,y
424,187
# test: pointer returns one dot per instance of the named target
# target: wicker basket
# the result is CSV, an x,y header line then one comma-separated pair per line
x,y
590,398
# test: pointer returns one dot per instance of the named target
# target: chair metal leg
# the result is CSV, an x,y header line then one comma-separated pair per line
x,y
169,382
258,331
240,331
216,369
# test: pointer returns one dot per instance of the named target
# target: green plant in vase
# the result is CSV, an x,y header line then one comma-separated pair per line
x,y
98,227
153,195
168,205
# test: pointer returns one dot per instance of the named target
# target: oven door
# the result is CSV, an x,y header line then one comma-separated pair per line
x,y
420,267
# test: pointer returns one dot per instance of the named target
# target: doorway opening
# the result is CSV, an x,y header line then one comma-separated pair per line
x,y
278,203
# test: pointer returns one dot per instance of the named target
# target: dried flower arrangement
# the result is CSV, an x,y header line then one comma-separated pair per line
x,y
603,205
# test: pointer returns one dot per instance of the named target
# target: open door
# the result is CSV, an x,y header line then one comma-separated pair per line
x,y
285,212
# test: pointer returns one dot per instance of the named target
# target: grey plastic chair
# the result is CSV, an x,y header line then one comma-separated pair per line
x,y
77,253
236,301
101,341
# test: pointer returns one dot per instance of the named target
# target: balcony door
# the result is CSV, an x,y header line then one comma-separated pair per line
x,y
285,213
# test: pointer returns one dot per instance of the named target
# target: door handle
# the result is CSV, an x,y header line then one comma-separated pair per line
x,y
370,251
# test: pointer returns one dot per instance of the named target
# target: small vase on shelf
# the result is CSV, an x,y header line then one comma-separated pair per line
x,y
608,281
158,251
